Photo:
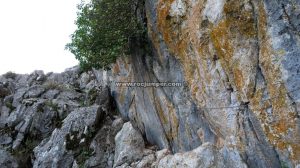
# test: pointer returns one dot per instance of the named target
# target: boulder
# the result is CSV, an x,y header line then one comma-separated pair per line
x,y
129,145
203,156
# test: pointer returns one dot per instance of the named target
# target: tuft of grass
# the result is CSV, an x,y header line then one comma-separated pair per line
x,y
92,96
52,85
10,106
53,106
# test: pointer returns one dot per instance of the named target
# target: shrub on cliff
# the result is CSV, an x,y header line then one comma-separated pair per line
x,y
104,28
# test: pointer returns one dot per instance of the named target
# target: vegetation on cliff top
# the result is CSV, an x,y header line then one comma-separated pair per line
x,y
104,30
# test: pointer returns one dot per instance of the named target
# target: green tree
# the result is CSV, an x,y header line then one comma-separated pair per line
x,y
104,28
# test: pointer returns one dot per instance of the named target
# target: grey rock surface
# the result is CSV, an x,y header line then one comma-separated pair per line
x,y
103,144
7,161
129,145
51,121
239,62
60,149
203,156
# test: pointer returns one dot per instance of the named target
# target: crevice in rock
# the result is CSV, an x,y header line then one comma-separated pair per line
x,y
286,16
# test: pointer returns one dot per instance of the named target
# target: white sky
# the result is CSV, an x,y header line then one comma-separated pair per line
x,y
33,34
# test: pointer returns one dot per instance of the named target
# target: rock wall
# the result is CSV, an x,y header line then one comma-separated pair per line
x,y
240,61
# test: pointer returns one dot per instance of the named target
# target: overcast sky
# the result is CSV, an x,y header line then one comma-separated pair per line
x,y
33,34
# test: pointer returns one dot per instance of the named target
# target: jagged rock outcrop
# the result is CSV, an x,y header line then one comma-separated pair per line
x,y
76,131
57,120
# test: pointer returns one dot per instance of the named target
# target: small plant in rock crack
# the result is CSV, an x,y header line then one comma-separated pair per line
x,y
81,149
52,85
53,106
82,103
57,122
72,140
83,155
10,106
25,151
92,96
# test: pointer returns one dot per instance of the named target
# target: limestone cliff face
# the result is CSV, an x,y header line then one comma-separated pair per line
x,y
240,61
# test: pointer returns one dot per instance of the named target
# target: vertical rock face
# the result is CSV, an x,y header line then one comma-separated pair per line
x,y
240,62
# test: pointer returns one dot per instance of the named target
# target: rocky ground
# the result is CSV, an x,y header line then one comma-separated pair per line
x,y
70,120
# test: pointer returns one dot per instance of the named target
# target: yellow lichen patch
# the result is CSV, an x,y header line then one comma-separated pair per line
x,y
282,119
222,42
175,124
160,112
229,37
262,22
155,41
122,95
279,123
122,65
296,151
239,19
282,126
190,42
164,23
173,119
167,116
238,78
173,33
180,40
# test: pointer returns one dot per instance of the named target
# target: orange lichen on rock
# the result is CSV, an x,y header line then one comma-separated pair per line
x,y
233,38
179,39
240,20
280,123
168,117
223,43
238,78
